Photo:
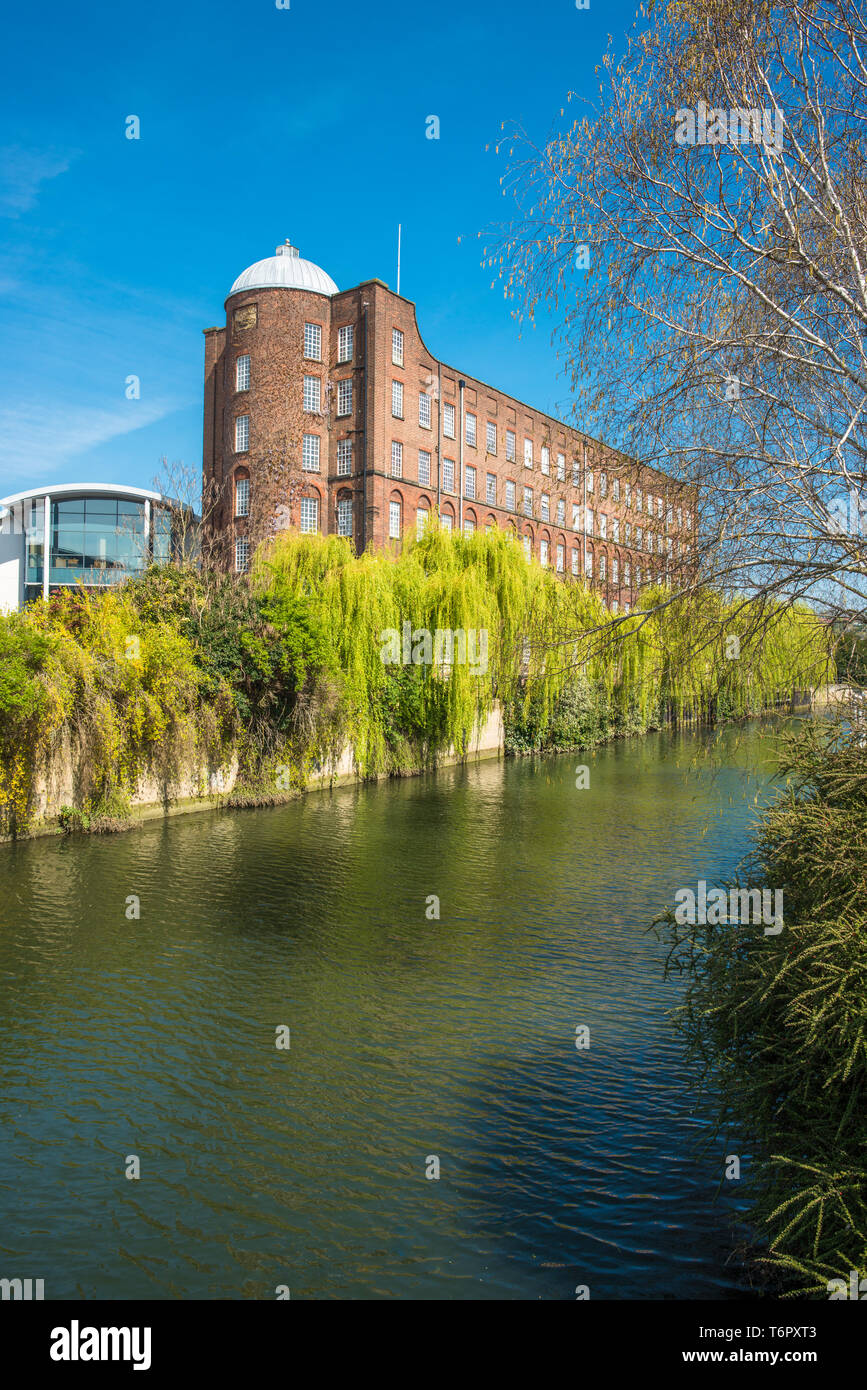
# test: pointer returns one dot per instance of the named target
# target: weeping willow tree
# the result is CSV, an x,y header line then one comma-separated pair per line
x,y
674,658
400,655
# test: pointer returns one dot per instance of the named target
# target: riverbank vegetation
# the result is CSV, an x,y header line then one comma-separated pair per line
x,y
778,1023
280,671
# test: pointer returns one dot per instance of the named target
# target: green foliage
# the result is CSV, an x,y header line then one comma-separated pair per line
x,y
779,1023
285,669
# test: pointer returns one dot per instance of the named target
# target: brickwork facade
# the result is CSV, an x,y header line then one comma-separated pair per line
x,y
386,436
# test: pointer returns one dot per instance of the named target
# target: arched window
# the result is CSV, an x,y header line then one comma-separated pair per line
x,y
242,493
395,517
310,513
344,514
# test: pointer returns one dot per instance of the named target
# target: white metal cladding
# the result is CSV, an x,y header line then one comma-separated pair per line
x,y
285,270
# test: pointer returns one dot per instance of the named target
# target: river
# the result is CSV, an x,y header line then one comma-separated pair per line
x,y
411,1037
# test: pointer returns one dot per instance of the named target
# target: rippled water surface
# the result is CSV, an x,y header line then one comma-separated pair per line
x,y
410,1037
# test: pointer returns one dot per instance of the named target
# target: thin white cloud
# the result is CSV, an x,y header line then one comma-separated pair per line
x,y
37,441
22,173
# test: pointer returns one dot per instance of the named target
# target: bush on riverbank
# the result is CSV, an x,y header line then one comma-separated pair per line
x,y
284,669
779,1023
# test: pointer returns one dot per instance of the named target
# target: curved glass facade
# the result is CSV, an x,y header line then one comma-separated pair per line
x,y
93,540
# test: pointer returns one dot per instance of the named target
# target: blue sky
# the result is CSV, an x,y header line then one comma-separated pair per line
x,y
257,124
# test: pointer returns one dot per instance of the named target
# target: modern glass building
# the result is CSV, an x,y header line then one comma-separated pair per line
x,y
78,533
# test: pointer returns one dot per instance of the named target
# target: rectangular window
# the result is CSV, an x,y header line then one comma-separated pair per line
x,y
491,489
397,347
528,552
528,501
424,410
561,558
628,532
602,566
448,420
242,556
546,507
344,397
603,526
396,459
575,558
312,393
588,521
344,458
394,521
588,563
561,511
510,497
242,373
242,434
626,572
242,497
469,526
528,453
615,566
491,437
310,454
448,475
589,481
470,483
543,553
603,484
424,468
639,538
679,517
397,399
345,348
576,516
659,508
649,505
627,494
471,429
421,520
309,514
561,468
511,444
615,489
638,499
446,522
615,529
313,342
546,459
576,473
344,516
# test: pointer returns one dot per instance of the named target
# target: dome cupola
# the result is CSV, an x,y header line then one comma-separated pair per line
x,y
285,270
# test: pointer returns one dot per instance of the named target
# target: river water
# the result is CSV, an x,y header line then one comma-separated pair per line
x,y
410,1038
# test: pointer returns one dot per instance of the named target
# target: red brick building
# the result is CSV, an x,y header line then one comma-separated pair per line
x,y
389,436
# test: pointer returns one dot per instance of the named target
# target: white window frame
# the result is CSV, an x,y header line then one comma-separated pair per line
x,y
313,342
345,343
311,454
309,510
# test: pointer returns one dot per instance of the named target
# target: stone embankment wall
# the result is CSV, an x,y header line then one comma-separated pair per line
x,y
202,788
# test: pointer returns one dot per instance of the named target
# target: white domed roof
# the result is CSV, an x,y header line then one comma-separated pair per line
x,y
285,269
